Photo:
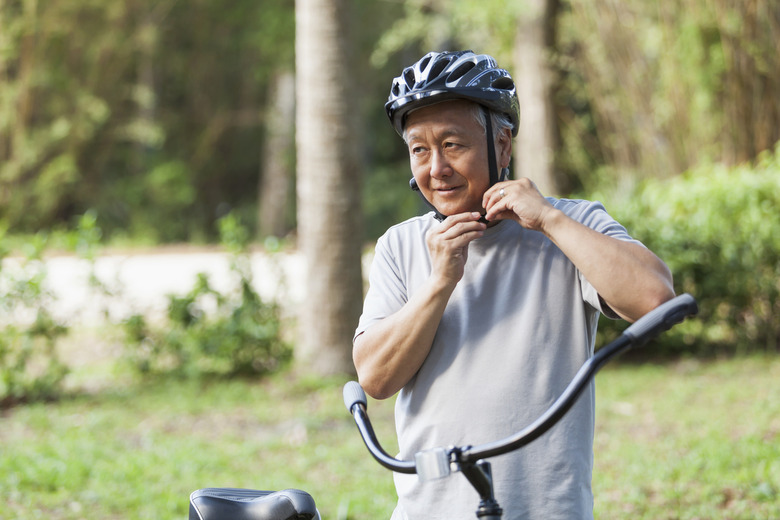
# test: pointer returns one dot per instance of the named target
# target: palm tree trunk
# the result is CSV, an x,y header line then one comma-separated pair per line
x,y
328,188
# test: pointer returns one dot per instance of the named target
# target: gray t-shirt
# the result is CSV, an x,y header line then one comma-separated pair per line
x,y
518,326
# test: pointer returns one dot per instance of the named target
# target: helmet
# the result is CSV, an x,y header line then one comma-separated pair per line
x,y
440,76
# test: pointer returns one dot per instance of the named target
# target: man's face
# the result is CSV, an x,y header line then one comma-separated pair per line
x,y
448,155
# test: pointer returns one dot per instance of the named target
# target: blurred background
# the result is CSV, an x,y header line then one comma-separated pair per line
x,y
255,130
164,116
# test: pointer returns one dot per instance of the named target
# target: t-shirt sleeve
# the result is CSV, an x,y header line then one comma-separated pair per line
x,y
595,216
387,290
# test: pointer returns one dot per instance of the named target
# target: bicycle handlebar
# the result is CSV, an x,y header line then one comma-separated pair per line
x,y
356,402
662,318
436,463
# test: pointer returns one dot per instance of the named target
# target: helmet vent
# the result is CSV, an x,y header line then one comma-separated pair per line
x,y
409,78
461,71
437,69
503,83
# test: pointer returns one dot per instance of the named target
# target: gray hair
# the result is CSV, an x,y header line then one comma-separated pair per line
x,y
500,122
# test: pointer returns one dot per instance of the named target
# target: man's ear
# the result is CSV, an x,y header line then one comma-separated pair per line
x,y
504,147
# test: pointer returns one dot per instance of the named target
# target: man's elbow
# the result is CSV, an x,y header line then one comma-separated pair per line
x,y
372,376
658,295
376,387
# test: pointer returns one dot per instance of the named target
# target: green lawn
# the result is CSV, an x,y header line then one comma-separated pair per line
x,y
689,440
680,440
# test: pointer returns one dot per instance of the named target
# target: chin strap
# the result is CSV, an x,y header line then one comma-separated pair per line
x,y
436,214
492,166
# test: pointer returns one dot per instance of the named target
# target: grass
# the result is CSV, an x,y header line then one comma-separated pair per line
x,y
137,453
683,440
691,440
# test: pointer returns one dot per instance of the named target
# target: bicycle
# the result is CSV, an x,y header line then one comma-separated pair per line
x,y
438,462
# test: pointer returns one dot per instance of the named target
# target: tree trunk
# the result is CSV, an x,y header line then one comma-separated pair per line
x,y
276,162
328,186
536,141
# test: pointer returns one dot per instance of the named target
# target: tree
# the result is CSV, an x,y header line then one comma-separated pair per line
x,y
328,187
534,79
277,164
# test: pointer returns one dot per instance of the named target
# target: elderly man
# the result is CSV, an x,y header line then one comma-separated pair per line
x,y
496,292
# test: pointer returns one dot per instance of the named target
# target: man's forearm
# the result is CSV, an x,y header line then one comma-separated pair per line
x,y
630,278
389,353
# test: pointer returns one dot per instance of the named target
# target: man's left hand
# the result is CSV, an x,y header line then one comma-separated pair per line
x,y
519,200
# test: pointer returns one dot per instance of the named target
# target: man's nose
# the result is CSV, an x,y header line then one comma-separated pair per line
x,y
440,166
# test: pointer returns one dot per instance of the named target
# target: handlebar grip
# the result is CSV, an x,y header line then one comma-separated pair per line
x,y
662,318
354,394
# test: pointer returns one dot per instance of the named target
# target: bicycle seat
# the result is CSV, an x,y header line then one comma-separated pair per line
x,y
250,504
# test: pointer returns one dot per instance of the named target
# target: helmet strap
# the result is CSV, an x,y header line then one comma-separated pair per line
x,y
491,149
436,213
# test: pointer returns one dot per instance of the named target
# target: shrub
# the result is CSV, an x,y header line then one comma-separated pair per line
x,y
718,229
211,334
30,368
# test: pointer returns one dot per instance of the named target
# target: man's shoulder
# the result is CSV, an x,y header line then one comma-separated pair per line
x,y
584,211
575,205
414,226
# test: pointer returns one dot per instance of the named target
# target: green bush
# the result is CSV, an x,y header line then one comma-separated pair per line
x,y
718,229
30,368
240,335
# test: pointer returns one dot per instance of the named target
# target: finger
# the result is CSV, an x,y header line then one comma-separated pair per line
x,y
459,221
495,194
497,206
489,196
462,217
459,235
499,211
457,232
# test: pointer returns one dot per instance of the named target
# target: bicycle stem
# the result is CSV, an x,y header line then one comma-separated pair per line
x,y
480,476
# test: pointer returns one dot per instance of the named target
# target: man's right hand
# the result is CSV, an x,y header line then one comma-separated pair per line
x,y
448,245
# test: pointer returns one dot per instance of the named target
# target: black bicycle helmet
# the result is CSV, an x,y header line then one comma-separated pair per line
x,y
440,76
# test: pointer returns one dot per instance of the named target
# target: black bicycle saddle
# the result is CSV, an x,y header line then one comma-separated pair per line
x,y
251,504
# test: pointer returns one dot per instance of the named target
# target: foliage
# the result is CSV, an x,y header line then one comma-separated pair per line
x,y
149,112
153,112
439,25
652,89
209,333
30,368
717,229
387,195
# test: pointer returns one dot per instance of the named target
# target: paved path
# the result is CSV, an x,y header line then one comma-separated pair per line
x,y
141,282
